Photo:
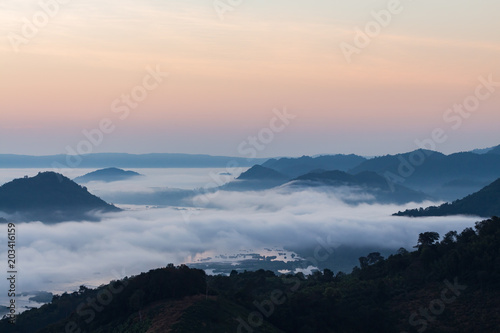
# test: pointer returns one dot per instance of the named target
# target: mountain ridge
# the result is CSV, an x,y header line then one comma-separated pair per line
x,y
484,203
107,175
50,197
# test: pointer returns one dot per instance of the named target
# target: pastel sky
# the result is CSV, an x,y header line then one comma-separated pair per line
x,y
230,67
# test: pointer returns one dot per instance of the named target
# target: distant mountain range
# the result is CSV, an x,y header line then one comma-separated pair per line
x,y
364,187
485,203
49,197
366,182
256,178
439,176
431,172
121,160
484,150
294,167
495,150
107,175
412,176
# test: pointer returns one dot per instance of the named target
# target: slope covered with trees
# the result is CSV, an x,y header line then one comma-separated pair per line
x,y
484,203
49,197
452,285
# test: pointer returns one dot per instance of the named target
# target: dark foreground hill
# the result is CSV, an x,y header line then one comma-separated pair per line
x,y
447,286
49,197
484,203
107,175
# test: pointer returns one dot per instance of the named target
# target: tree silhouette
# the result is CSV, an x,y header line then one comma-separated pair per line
x,y
426,239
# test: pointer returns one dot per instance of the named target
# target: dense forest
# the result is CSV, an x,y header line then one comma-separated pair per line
x,y
449,283
485,202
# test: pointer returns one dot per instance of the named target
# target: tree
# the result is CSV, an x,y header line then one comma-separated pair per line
x,y
363,262
450,238
328,275
82,290
426,239
374,258
136,301
402,251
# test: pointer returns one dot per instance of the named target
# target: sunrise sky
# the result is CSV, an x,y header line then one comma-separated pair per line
x,y
228,70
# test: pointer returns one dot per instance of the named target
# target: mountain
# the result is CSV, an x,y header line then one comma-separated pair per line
x,y
50,197
294,167
495,150
258,172
484,203
106,175
482,150
429,171
362,184
442,286
120,160
256,178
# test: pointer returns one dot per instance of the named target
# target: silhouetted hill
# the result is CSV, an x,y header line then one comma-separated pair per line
x,y
294,167
106,175
258,172
256,178
429,171
484,203
366,182
450,285
50,197
121,160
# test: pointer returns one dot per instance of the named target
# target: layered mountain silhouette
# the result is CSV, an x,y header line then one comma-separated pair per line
x,y
122,160
485,203
107,175
366,182
495,150
256,178
50,197
430,171
363,187
294,167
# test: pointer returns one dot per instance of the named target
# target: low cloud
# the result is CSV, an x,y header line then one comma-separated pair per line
x,y
63,256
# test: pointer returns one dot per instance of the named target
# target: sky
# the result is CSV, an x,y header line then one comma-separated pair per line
x,y
291,78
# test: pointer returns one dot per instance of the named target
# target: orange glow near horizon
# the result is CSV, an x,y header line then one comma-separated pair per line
x,y
225,77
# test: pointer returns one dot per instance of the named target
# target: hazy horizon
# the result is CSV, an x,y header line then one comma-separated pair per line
x,y
264,156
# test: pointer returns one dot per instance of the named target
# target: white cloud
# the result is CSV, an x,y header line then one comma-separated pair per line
x,y
63,256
